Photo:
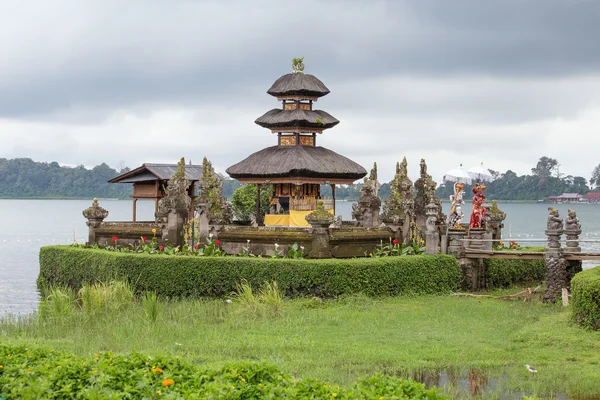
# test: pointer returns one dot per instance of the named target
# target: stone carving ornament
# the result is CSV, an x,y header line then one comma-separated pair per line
x,y
176,198
210,200
425,194
399,206
366,210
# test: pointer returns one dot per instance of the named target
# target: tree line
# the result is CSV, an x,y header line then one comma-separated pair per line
x,y
25,178
545,180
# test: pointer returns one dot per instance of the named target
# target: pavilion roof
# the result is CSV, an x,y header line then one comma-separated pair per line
x,y
278,118
296,162
298,84
152,172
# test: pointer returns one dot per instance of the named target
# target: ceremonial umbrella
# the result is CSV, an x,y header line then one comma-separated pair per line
x,y
457,175
480,174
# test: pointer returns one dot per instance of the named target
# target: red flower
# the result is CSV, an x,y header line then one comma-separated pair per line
x,y
196,246
161,247
395,241
218,242
144,239
114,238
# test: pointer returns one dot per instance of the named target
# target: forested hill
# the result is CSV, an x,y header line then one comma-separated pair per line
x,y
25,178
545,180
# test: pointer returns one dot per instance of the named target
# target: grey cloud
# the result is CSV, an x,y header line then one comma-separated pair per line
x,y
194,52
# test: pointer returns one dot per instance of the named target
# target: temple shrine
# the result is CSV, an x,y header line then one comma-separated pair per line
x,y
296,167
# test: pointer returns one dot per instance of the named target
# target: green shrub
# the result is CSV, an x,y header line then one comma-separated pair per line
x,y
585,291
505,273
45,374
217,276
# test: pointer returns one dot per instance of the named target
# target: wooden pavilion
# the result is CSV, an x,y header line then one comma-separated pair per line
x,y
150,180
296,167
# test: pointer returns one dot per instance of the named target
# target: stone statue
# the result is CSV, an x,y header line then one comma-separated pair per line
x,y
554,221
478,211
366,210
338,222
425,194
210,199
572,222
398,208
456,214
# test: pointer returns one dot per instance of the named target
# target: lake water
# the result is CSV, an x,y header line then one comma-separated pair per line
x,y
29,224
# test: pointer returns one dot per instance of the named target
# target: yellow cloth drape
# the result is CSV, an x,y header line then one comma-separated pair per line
x,y
296,218
277,220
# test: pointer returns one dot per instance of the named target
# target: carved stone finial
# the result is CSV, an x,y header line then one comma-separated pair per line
x,y
298,65
176,197
210,198
400,204
425,194
366,210
95,211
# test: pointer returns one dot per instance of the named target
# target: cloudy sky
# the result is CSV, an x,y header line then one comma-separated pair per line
x,y
499,81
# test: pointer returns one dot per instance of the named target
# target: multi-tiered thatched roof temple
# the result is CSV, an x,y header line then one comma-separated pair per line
x,y
296,167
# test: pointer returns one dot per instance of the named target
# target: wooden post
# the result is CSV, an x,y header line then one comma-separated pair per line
x,y
134,209
258,221
333,196
155,206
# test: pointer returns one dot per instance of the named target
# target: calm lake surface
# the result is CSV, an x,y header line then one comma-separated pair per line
x,y
29,224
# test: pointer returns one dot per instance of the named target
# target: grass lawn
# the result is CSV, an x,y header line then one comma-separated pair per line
x,y
447,341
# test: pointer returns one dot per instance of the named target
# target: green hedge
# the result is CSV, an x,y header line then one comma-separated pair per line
x,y
506,273
217,276
585,292
45,374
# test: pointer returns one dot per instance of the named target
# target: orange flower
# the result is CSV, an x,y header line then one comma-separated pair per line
x,y
168,382
157,370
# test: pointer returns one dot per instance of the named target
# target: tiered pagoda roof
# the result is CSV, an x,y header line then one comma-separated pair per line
x,y
297,158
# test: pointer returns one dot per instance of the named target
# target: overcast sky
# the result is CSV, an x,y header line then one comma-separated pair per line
x,y
499,81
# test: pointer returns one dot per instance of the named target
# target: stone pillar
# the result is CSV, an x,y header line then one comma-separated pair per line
x,y
572,230
175,223
476,236
474,275
556,274
494,217
203,221
320,220
432,235
456,246
95,216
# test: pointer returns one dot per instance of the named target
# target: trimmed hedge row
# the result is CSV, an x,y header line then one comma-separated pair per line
x,y
217,276
585,292
506,273
46,374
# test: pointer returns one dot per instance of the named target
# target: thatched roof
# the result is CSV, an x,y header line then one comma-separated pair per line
x,y
298,85
152,172
296,161
302,118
